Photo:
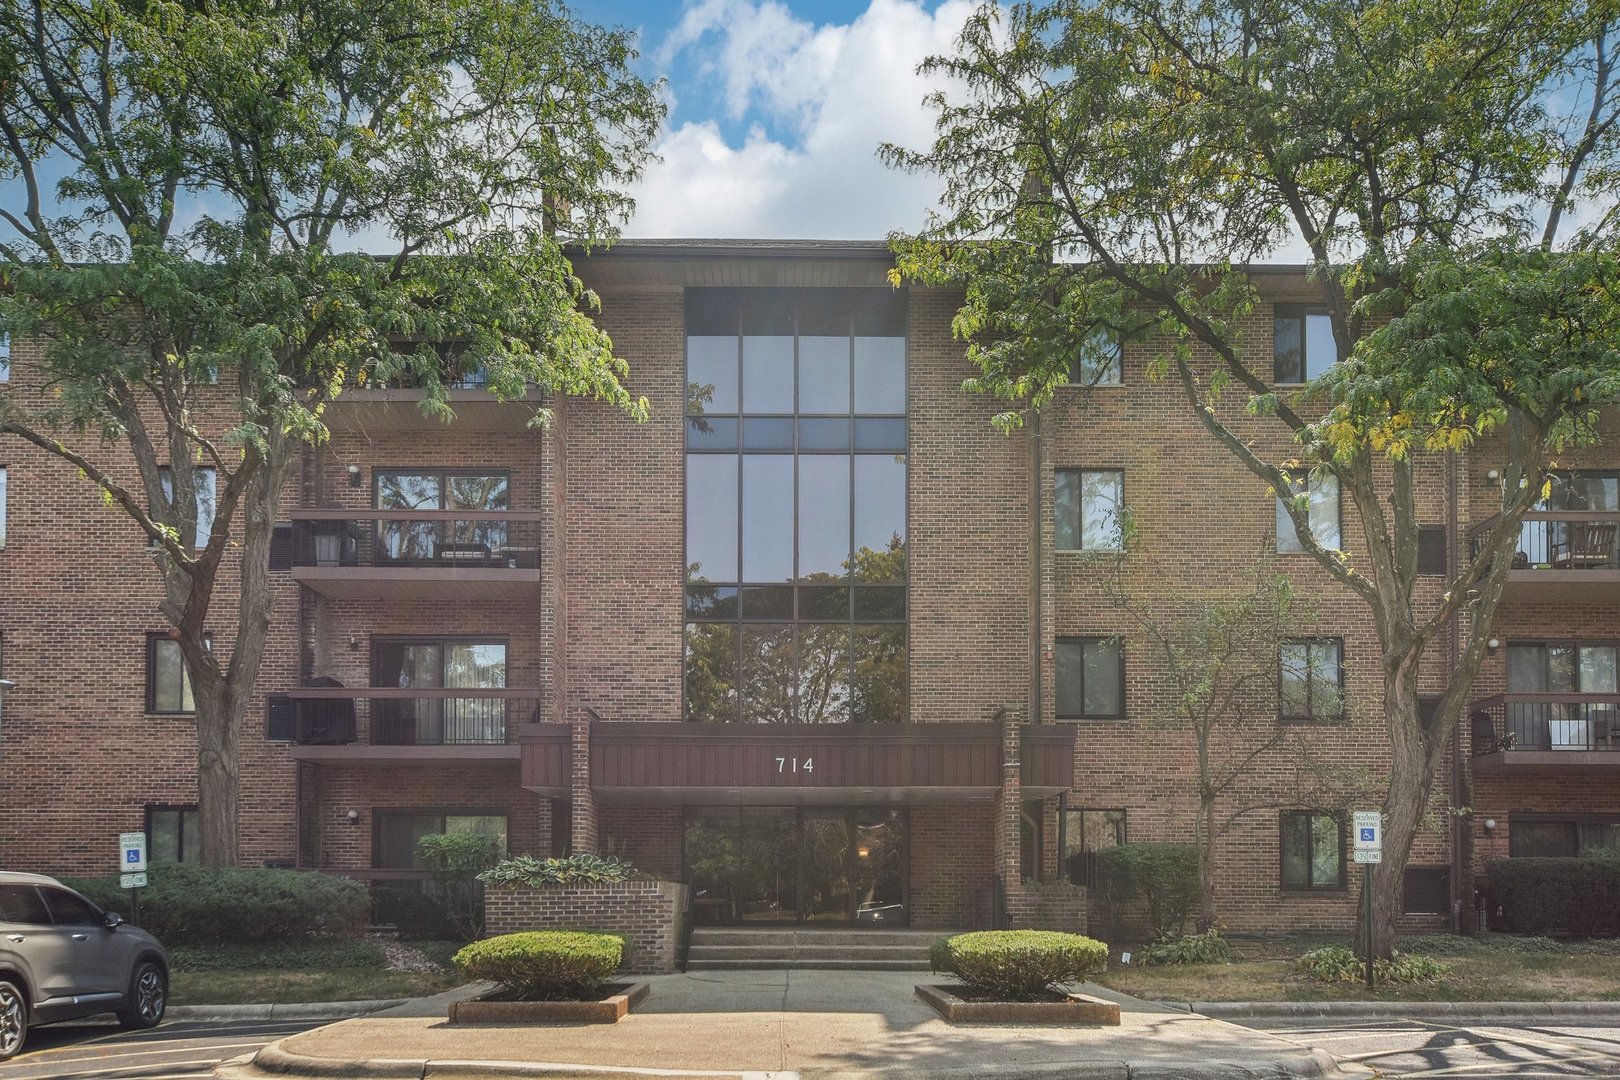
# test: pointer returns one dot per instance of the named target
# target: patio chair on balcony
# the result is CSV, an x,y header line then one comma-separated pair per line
x,y
1584,545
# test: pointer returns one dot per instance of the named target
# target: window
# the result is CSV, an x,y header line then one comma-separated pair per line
x,y
1087,833
1561,667
397,832
1303,345
1536,837
431,665
1431,550
22,904
1312,850
1310,681
450,540
5,357
1098,362
203,477
2,506
796,506
1086,509
168,683
1426,890
1585,489
1090,678
69,909
172,834
1322,511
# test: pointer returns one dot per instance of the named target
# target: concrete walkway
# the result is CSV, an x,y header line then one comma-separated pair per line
x,y
782,1024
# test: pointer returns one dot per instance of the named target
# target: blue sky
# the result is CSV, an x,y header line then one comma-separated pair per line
x,y
777,110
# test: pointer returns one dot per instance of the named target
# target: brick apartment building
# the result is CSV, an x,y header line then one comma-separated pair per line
x,y
815,638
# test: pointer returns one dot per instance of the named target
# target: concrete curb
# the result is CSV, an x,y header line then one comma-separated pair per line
x,y
277,1061
1399,1010
309,1010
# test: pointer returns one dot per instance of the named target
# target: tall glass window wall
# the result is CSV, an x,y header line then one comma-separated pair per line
x,y
796,506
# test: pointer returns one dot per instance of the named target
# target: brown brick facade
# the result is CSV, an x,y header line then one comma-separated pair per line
x,y
650,914
603,634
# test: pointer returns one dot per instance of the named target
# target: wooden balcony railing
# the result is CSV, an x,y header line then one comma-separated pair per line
x,y
390,716
416,538
1509,722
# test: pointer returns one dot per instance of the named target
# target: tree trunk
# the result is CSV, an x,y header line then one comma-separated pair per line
x,y
1206,865
219,726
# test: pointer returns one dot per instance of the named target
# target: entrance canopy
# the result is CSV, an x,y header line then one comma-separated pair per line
x,y
797,765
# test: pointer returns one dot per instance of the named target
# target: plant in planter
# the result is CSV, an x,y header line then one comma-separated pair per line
x,y
1018,965
544,965
521,870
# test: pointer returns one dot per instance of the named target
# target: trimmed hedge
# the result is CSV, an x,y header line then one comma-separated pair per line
x,y
415,915
1578,896
545,965
1018,965
1162,877
200,905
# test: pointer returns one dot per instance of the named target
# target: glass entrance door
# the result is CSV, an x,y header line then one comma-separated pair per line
x,y
758,865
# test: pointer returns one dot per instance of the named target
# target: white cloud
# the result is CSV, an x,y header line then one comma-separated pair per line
x,y
834,92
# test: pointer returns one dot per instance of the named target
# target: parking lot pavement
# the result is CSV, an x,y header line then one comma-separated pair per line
x,y
1460,1049
103,1051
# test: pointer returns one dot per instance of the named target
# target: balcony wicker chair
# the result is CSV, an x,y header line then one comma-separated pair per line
x,y
1584,545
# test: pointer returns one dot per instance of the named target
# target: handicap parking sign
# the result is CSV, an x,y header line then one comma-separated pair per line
x,y
1368,835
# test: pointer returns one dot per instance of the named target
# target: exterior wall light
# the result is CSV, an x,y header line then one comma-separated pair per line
x,y
354,476
1492,645
353,816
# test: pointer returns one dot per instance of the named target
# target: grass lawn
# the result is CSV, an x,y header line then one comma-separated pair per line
x,y
1493,967
346,971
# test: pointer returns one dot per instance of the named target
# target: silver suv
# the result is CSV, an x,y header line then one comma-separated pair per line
x,y
62,957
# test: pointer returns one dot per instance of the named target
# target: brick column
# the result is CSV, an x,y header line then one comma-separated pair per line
x,y
1009,813
582,820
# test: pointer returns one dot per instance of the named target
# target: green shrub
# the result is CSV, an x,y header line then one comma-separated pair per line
x,y
1206,948
572,870
414,915
1018,965
455,860
1162,877
197,905
1337,963
544,965
1579,896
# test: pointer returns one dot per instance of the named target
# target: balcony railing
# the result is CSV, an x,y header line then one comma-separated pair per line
x,y
1563,540
1510,722
416,538
387,716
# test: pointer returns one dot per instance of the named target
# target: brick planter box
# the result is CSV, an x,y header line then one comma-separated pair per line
x,y
1079,1009
610,1010
648,913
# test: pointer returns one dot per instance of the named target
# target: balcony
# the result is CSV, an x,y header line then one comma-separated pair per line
x,y
400,409
442,554
1564,556
1514,732
389,725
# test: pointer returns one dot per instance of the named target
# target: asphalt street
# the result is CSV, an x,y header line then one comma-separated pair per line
x,y
1460,1049
103,1051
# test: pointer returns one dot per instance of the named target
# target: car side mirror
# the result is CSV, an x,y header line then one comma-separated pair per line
x,y
112,919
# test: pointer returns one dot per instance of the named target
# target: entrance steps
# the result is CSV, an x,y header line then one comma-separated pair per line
x,y
721,948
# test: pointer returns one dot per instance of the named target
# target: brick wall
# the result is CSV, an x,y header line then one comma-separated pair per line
x,y
649,913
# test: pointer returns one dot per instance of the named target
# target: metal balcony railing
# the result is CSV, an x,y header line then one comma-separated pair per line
x,y
416,538
387,716
1510,722
1563,540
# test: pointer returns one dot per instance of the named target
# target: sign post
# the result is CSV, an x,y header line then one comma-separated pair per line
x,y
1369,830
132,868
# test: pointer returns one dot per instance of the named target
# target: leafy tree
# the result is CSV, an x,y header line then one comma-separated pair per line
x,y
456,860
1112,166
221,168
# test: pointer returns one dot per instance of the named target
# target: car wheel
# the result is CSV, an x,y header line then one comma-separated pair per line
x,y
148,997
13,1019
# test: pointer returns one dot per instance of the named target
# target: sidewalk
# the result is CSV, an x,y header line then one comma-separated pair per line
x,y
779,1024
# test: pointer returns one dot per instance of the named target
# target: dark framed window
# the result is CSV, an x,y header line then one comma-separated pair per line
x,y
397,831
1563,667
1310,680
1088,832
168,683
1322,511
1312,844
439,664
204,477
1302,344
1090,678
796,506
70,909
1539,836
5,357
173,834
411,489
2,506
1426,890
1087,509
1583,489
1099,362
